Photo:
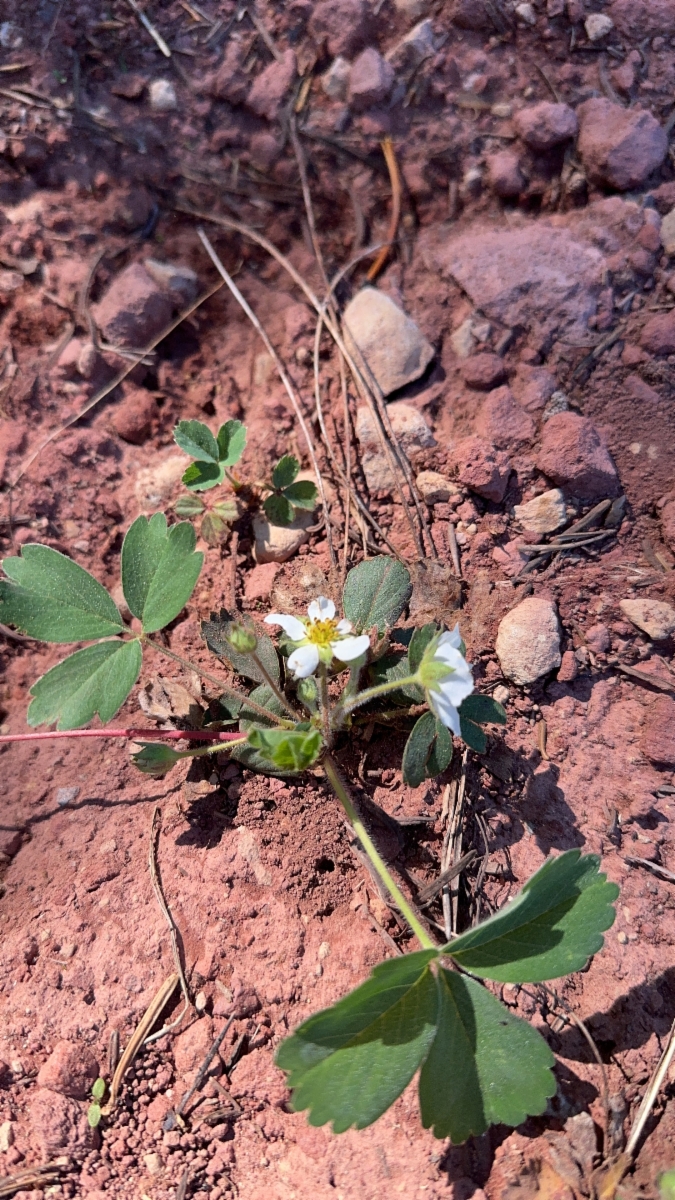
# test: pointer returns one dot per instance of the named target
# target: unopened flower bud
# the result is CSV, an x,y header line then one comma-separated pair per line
x,y
243,640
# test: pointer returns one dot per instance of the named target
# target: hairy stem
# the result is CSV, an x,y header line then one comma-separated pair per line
x,y
273,686
159,735
226,691
380,689
325,705
342,792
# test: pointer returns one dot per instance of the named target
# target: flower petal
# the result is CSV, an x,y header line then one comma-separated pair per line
x,y
304,661
350,648
451,638
321,609
444,710
447,652
344,627
290,625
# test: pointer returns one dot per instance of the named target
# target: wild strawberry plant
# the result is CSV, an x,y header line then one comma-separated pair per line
x,y
426,1011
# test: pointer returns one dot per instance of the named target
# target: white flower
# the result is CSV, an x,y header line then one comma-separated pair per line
x,y
446,677
319,638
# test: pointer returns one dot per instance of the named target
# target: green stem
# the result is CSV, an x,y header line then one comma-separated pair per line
x,y
380,689
342,792
225,690
273,687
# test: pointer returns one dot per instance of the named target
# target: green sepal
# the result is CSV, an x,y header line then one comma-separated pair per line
x,y
289,749
248,755
307,692
376,592
285,471
278,510
200,476
196,439
160,568
428,750
50,597
231,443
97,679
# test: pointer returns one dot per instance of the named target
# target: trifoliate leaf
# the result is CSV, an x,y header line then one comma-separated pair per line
x,y
551,928
288,749
428,750
231,443
196,440
285,471
160,568
302,494
278,510
350,1062
483,710
200,476
376,592
418,644
485,1066
97,679
216,634
188,506
50,597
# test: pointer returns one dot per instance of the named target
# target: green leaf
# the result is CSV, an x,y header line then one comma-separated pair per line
x,y
98,1089
156,758
278,510
285,471
307,692
48,596
428,750
227,509
485,1065
213,529
289,749
97,679
203,475
302,494
231,443
248,755
390,668
376,592
196,440
418,644
188,506
472,734
349,1063
216,633
160,568
483,710
551,928
94,1115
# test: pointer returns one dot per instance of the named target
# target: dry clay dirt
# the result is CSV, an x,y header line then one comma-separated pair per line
x,y
533,254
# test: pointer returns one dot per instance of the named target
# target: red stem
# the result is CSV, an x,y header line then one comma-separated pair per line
x,y
161,735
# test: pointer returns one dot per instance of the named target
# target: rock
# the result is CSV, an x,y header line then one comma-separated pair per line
x,y
668,233
181,282
526,13
482,468
260,581
191,1047
6,1136
484,371
668,522
134,308
412,8
597,26
574,453
528,641
335,81
341,25
658,333
533,387
435,488
471,14
162,96
153,1163
370,80
653,617
276,543
230,82
411,51
544,513
59,1126
643,18
502,421
132,419
504,174
10,281
462,340
154,486
272,85
410,428
545,125
658,736
619,147
389,341
536,274
70,1070
569,668
556,403
598,638
129,86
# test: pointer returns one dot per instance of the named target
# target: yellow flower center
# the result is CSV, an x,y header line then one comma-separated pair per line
x,y
322,633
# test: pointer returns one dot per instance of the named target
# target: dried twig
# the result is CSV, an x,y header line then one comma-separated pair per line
x,y
203,1070
147,24
427,894
650,866
151,1014
155,832
394,176
454,550
644,677
652,1092
34,1177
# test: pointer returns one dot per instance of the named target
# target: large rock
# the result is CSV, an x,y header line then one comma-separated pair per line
x,y
544,125
411,430
59,1126
370,80
658,333
501,420
271,87
653,617
278,543
528,641
544,513
482,468
389,341
574,453
619,147
69,1070
341,26
658,737
134,309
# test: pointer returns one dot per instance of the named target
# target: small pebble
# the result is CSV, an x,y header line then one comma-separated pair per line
x,y
66,795
163,95
622,938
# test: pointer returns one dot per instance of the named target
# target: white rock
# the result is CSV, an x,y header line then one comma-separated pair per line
x,y
378,331
162,95
335,81
181,281
526,14
410,428
155,485
653,617
6,1136
528,641
544,513
278,543
557,403
597,26
501,694
668,232
153,1163
435,488
462,340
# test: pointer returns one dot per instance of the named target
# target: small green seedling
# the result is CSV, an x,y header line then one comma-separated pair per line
x,y
214,457
94,1111
428,1011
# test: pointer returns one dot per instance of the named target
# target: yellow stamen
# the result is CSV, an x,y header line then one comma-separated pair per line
x,y
322,633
